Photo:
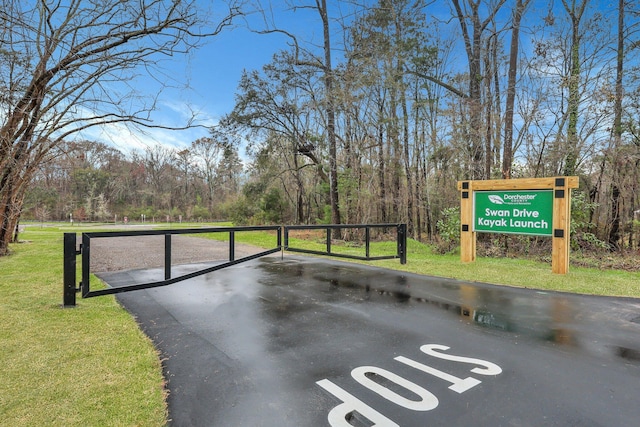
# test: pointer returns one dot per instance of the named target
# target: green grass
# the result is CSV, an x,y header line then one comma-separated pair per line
x,y
501,271
522,273
83,366
518,272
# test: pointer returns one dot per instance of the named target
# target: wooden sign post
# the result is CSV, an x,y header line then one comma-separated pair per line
x,y
536,206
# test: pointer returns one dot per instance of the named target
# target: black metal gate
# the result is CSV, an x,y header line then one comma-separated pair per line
x,y
71,251
401,239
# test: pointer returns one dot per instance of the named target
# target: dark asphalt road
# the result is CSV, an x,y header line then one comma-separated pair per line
x,y
310,342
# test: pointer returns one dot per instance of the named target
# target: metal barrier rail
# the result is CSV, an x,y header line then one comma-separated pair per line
x,y
401,240
70,253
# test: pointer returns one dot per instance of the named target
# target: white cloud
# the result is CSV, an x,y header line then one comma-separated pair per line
x,y
127,137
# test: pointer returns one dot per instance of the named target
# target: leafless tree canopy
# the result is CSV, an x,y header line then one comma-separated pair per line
x,y
69,65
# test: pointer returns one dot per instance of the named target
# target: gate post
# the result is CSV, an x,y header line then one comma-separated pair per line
x,y
402,243
167,256
69,276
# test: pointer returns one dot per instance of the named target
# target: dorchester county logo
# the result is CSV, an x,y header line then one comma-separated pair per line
x,y
512,199
496,199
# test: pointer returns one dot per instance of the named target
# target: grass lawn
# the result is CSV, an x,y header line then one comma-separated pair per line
x,y
518,272
500,271
83,366
91,365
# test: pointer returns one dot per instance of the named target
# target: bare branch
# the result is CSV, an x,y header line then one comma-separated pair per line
x,y
439,82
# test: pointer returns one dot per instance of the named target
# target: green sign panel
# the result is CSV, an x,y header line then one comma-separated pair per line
x,y
516,212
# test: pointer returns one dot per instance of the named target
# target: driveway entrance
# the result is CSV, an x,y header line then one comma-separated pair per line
x,y
310,342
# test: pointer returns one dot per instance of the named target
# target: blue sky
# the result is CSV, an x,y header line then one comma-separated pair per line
x,y
212,73
214,70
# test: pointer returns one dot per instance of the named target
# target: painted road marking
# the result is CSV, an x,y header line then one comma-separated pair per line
x,y
339,415
427,400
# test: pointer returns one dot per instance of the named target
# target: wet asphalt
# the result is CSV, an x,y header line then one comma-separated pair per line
x,y
301,341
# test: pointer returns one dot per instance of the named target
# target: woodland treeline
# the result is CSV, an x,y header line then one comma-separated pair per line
x,y
92,181
377,121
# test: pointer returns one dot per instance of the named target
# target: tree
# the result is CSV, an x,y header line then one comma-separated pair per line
x,y
280,110
383,42
229,171
67,66
507,158
322,64
614,232
575,12
184,163
330,109
472,28
207,151
158,162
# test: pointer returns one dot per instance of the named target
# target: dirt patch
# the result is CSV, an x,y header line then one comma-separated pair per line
x,y
127,253
314,235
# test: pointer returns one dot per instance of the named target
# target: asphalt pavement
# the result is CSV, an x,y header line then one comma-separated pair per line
x,y
302,341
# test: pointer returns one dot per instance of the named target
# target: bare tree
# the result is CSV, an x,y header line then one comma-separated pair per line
x,y
328,71
507,158
575,12
322,64
472,28
68,65
158,162
207,151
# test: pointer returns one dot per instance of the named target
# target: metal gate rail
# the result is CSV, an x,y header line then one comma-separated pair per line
x,y
70,253
401,238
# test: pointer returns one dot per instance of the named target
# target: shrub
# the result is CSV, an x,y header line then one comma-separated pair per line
x,y
449,230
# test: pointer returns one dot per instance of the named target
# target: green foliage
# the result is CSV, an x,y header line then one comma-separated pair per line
x,y
39,198
326,215
200,213
582,237
241,211
260,203
590,241
449,229
273,206
581,209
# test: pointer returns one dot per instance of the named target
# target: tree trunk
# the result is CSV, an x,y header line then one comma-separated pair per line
x,y
473,46
11,196
381,172
614,233
331,117
572,151
507,158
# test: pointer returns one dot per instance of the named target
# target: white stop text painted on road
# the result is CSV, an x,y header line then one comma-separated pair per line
x,y
427,401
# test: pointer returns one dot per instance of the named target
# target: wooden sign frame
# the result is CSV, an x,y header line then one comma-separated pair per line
x,y
561,187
